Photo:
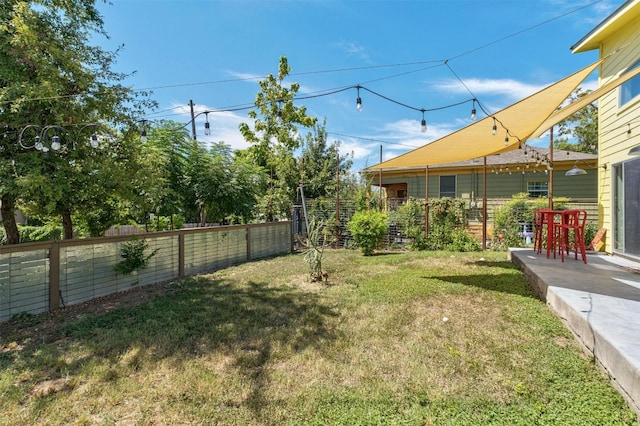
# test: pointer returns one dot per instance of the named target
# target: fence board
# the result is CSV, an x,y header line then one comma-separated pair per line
x,y
87,266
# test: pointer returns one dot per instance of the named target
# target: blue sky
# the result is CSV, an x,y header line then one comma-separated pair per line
x,y
426,54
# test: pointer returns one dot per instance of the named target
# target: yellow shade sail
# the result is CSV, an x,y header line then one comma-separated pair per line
x,y
575,106
517,122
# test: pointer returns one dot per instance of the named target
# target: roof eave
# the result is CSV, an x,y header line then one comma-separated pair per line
x,y
593,38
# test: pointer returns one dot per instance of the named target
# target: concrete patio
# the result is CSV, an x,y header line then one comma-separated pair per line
x,y
600,303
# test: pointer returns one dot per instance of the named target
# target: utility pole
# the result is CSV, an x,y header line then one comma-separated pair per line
x,y
193,121
337,230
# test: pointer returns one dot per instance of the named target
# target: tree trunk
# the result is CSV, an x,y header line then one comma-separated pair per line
x,y
203,216
67,225
9,219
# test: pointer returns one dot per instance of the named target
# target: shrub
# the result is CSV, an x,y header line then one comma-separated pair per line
x,y
508,219
410,216
446,226
47,232
165,223
368,229
133,256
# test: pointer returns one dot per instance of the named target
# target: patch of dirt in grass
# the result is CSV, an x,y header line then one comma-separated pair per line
x,y
49,387
25,330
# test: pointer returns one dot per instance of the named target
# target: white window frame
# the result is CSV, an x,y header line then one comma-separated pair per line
x,y
632,86
538,189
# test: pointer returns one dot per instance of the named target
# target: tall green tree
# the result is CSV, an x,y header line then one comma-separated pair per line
x,y
218,185
275,137
54,82
579,132
320,162
173,143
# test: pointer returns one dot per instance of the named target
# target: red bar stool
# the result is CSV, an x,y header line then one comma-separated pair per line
x,y
573,222
541,220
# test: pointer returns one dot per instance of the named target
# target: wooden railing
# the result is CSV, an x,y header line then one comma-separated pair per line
x,y
39,277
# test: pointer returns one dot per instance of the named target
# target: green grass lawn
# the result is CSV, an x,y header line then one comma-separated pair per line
x,y
394,339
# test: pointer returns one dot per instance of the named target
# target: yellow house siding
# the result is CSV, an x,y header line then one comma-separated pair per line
x,y
614,121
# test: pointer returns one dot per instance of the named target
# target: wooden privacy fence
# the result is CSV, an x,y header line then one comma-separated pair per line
x,y
39,277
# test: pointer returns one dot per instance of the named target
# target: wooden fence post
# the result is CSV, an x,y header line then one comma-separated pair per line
x,y
54,276
181,255
248,237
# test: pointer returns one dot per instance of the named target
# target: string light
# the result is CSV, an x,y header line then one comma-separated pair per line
x,y
494,129
473,111
358,100
55,142
423,123
207,127
40,136
143,133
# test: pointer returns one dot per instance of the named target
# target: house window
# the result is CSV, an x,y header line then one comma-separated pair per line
x,y
538,189
630,89
448,186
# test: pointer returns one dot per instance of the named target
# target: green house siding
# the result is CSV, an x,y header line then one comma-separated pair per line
x,y
582,187
501,185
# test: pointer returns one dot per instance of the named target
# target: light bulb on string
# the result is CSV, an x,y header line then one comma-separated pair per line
x,y
358,100
143,133
55,142
494,129
207,126
473,111
423,123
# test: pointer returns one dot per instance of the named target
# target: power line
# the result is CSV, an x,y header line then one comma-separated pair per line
x,y
372,140
436,62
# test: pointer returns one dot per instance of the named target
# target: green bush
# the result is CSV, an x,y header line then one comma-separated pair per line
x,y
508,219
410,216
461,241
133,256
446,226
32,234
368,229
166,223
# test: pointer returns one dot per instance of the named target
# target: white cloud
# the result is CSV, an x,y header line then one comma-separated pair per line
x,y
396,138
353,49
245,76
598,10
510,88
